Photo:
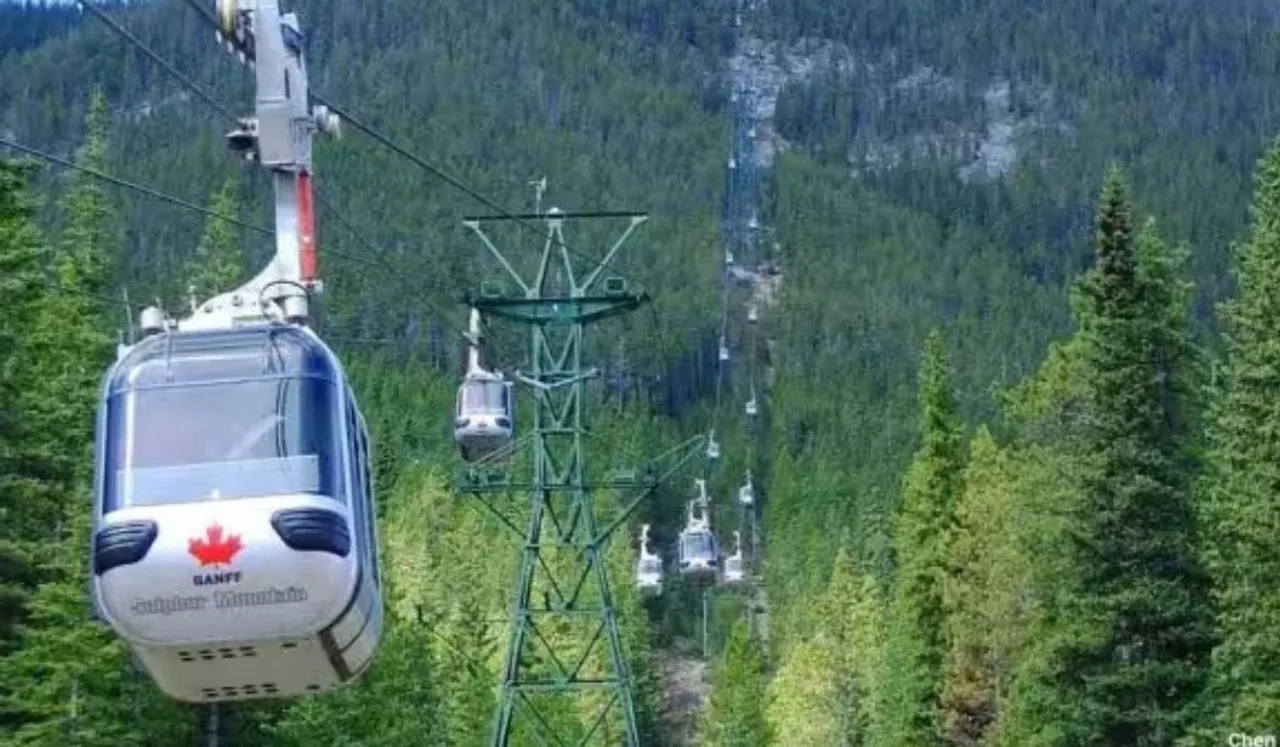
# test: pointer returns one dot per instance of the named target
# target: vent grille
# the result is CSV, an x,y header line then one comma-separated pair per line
x,y
209,654
239,691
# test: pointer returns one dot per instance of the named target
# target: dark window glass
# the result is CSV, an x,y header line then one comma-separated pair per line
x,y
185,442
365,476
480,395
697,545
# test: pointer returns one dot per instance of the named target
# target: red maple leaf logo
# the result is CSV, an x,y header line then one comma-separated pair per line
x,y
212,549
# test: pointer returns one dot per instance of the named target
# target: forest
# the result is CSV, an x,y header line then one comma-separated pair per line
x,y
1018,454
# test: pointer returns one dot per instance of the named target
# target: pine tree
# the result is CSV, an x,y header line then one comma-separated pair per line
x,y
20,522
1127,655
69,347
916,651
217,265
469,702
65,657
736,716
823,691
803,708
985,618
1242,547
72,680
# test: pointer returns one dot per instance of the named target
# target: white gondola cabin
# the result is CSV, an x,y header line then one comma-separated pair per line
x,y
713,446
747,493
724,349
484,418
734,567
753,314
648,568
752,409
699,558
234,545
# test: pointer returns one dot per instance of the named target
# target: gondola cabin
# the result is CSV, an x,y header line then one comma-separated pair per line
x,y
699,561
649,575
713,447
234,544
484,419
733,570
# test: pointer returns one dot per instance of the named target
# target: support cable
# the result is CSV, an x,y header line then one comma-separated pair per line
x,y
347,115
374,260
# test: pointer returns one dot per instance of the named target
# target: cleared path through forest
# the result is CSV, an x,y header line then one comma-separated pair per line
x,y
684,695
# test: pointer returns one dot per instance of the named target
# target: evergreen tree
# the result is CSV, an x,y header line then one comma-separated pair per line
x,y
1128,655
736,716
823,691
469,702
20,284
917,646
985,618
62,356
1242,547
803,707
217,265
68,347
72,681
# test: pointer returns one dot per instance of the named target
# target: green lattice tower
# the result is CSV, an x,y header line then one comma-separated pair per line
x,y
562,584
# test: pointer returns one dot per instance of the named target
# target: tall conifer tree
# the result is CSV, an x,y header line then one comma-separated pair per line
x,y
984,615
217,265
1126,668
20,282
917,644
1242,510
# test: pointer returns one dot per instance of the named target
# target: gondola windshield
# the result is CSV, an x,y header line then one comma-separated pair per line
x,y
697,545
484,395
650,566
219,418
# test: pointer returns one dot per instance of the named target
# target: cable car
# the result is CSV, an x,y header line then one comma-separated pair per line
x,y
753,223
648,567
734,570
724,349
753,314
746,494
699,559
484,419
234,545
728,258
713,446
733,162
752,409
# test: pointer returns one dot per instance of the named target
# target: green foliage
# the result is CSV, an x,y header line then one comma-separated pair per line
x,y
986,616
1090,493
20,283
1127,666
217,264
823,691
1239,506
71,681
736,716
917,646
